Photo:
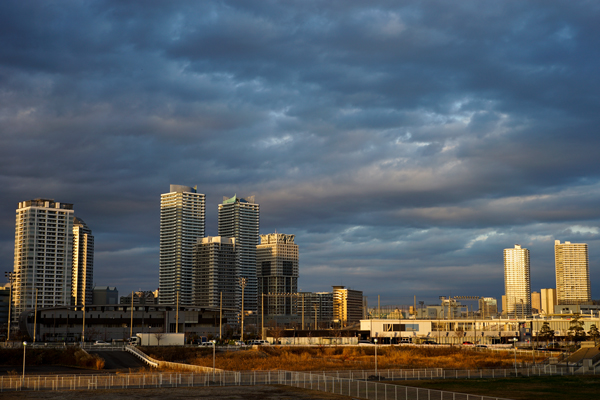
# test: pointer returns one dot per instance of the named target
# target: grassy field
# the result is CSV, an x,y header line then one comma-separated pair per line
x,y
545,387
337,358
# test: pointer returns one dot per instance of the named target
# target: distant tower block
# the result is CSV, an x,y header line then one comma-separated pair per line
x,y
181,224
572,273
517,282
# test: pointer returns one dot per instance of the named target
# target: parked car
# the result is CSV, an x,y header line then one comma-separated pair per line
x,y
239,343
101,343
429,342
467,344
365,343
206,344
259,343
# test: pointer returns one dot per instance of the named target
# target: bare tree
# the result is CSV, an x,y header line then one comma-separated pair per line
x,y
158,336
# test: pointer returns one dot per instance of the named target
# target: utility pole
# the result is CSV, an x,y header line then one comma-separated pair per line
x,y
177,315
10,276
131,323
262,311
83,327
243,282
315,308
303,313
221,319
35,315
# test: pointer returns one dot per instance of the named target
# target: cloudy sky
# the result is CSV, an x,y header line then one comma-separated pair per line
x,y
404,145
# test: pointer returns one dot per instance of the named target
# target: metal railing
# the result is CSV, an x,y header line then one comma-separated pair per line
x,y
364,384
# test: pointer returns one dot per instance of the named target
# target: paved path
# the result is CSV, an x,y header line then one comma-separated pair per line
x,y
118,359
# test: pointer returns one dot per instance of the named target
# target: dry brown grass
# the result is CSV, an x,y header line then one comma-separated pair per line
x,y
338,358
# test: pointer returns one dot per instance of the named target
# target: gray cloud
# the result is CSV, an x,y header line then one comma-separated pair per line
x,y
405,145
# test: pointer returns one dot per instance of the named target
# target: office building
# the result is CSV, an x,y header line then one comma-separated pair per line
x,y
548,301
240,219
182,220
572,273
488,307
517,283
105,295
277,266
83,263
347,305
43,255
216,275
315,309
536,302
141,297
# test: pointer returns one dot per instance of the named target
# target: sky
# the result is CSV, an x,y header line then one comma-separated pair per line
x,y
405,144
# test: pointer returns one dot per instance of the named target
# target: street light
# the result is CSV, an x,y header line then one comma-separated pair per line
x,y
214,342
375,340
514,340
10,276
24,347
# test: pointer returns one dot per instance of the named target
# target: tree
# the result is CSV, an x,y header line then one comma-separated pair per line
x,y
576,332
158,336
594,333
545,333
459,333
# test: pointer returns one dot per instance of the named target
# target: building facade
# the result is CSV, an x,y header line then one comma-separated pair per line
x,y
105,295
277,266
240,219
315,309
536,302
347,305
572,273
140,297
83,263
548,301
43,255
488,307
182,221
216,275
517,282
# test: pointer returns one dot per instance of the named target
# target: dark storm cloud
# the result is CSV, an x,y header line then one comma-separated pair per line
x,y
405,145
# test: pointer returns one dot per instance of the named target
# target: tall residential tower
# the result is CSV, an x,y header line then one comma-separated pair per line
x,y
82,279
43,255
517,282
572,273
240,219
181,224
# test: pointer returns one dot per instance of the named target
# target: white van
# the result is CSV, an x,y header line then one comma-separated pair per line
x,y
260,343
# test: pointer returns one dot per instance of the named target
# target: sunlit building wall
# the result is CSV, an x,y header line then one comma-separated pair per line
x,y
517,282
572,273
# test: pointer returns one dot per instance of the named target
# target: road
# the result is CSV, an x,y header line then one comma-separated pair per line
x,y
118,359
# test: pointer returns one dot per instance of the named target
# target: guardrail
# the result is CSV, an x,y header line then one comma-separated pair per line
x,y
170,365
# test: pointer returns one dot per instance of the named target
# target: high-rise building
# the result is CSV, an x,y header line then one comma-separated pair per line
x,y
347,305
548,301
277,266
82,280
181,224
43,255
315,309
536,302
488,307
216,275
240,219
517,283
572,273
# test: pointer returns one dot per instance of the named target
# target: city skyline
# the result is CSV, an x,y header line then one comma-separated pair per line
x,y
404,145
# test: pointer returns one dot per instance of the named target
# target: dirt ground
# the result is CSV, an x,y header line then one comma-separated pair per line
x,y
272,392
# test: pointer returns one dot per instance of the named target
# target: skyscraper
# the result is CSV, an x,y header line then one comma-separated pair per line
x,y
517,283
216,273
277,266
347,305
240,219
572,273
548,300
82,280
43,255
181,224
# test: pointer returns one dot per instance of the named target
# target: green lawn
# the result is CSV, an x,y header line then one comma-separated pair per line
x,y
545,387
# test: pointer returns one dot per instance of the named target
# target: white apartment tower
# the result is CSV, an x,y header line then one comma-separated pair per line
x,y
181,224
572,273
517,282
216,273
277,266
82,279
240,219
43,255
